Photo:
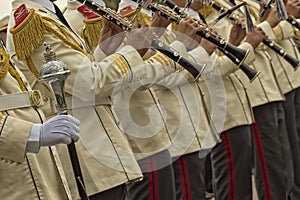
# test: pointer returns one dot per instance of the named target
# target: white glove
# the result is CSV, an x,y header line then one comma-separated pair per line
x,y
61,129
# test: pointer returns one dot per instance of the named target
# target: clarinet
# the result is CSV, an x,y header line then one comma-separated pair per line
x,y
269,43
240,54
195,69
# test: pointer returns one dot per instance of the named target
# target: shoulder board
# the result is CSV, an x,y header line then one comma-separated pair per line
x,y
127,11
28,32
20,14
86,12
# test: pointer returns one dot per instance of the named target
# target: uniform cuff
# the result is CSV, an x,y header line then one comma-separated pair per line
x,y
33,142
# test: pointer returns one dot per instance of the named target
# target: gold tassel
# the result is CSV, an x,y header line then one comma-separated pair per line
x,y
4,64
91,31
28,36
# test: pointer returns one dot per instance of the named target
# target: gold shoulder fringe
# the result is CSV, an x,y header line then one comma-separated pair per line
x,y
91,31
28,35
4,64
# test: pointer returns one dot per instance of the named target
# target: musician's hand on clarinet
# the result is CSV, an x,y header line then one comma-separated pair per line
x,y
272,17
237,34
159,24
111,37
140,38
255,37
187,32
293,8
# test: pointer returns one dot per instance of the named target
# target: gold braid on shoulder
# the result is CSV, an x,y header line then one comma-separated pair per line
x,y
29,35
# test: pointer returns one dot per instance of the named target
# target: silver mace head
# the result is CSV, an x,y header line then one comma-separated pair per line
x,y
52,68
54,73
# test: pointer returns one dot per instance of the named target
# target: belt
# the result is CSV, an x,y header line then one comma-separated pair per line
x,y
21,100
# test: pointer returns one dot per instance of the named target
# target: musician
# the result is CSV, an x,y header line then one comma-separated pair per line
x,y
271,161
289,84
105,156
25,137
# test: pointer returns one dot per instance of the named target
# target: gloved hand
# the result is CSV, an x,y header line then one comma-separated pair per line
x,y
61,129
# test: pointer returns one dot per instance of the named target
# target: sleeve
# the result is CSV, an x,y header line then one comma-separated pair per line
x,y
13,139
283,30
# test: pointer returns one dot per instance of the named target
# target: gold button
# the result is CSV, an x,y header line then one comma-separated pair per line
x,y
45,98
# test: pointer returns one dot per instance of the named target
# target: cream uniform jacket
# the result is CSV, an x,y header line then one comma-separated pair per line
x,y
177,126
136,108
236,106
25,176
105,156
188,113
265,88
284,33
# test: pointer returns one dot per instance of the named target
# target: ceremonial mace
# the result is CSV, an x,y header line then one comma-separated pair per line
x,y
54,73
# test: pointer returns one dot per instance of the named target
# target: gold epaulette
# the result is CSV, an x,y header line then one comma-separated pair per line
x,y
91,31
28,35
206,10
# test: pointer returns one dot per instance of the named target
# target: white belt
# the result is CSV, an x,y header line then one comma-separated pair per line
x,y
73,102
20,100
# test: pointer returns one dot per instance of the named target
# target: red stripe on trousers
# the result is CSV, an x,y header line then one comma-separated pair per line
x,y
230,166
186,179
182,180
150,179
262,161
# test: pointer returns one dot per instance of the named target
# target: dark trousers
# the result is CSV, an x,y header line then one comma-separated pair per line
x,y
208,174
158,182
231,165
272,161
292,111
189,177
117,193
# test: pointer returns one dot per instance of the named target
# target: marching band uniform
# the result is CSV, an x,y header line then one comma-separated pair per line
x,y
42,173
272,162
196,124
104,153
231,159
284,33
